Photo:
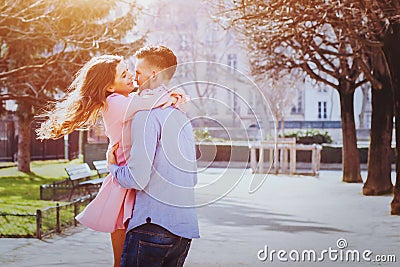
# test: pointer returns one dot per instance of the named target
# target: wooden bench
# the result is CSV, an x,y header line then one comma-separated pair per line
x,y
279,153
80,175
101,168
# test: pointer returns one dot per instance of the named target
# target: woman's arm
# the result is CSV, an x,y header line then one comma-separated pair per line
x,y
180,98
152,99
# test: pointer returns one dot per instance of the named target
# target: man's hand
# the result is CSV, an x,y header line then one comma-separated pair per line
x,y
111,155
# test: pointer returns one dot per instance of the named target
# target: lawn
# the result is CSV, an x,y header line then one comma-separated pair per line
x,y
19,192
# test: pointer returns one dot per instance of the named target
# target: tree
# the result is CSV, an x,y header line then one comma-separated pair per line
x,y
380,154
364,107
386,15
377,28
371,31
197,39
44,42
312,36
392,54
281,89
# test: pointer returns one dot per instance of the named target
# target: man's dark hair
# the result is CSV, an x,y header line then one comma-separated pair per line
x,y
159,56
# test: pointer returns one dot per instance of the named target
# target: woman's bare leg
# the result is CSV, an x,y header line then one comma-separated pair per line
x,y
117,240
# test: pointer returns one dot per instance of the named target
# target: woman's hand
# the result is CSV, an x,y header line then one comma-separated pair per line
x,y
110,156
177,99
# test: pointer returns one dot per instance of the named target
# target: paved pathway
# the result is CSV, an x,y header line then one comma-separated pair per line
x,y
293,214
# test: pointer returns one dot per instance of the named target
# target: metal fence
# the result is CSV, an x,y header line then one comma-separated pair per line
x,y
40,150
8,140
61,190
46,221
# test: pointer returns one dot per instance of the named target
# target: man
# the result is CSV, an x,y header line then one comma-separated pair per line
x,y
162,168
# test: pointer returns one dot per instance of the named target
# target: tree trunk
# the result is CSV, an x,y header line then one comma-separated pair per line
x,y
283,127
361,116
379,179
395,204
392,55
25,117
350,157
276,150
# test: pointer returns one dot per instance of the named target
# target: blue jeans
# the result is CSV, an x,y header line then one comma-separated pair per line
x,y
150,245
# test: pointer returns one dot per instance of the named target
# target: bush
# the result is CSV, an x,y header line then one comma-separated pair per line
x,y
203,135
310,137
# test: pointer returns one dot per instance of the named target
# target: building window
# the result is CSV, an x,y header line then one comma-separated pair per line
x,y
232,61
236,106
211,59
322,110
300,104
251,104
184,43
298,108
229,97
212,31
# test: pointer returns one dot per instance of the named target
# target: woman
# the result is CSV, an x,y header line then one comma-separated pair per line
x,y
104,84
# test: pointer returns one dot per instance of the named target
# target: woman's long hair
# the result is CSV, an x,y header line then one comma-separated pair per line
x,y
86,96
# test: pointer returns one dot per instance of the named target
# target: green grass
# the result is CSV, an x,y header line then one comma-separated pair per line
x,y
20,192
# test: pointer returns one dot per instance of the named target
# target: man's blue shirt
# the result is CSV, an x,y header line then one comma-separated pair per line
x,y
162,168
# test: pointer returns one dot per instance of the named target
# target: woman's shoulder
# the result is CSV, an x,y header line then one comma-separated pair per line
x,y
116,100
116,104
115,96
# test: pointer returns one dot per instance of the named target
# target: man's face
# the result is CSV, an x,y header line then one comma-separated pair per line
x,y
144,72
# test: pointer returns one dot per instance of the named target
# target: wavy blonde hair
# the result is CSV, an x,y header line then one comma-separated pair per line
x,y
87,95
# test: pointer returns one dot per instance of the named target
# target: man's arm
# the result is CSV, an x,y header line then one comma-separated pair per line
x,y
145,135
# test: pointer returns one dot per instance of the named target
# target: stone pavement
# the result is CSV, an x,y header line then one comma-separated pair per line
x,y
297,214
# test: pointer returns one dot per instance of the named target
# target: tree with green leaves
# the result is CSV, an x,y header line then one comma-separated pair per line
x,y
44,42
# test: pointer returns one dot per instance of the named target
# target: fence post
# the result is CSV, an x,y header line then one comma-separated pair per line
x,y
58,227
253,159
53,197
38,224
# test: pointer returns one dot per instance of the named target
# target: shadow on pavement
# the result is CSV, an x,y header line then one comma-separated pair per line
x,y
231,213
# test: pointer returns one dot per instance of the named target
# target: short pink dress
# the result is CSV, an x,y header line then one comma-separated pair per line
x,y
112,207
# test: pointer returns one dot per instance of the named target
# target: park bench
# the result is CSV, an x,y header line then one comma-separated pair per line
x,y
279,152
80,175
101,167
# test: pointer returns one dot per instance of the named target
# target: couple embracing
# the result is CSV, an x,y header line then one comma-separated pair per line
x,y
147,201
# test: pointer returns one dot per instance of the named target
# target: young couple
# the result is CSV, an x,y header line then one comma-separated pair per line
x,y
147,201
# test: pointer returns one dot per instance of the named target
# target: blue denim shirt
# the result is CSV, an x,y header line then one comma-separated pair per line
x,y
162,168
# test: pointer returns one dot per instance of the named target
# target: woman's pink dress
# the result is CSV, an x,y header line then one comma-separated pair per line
x,y
113,205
